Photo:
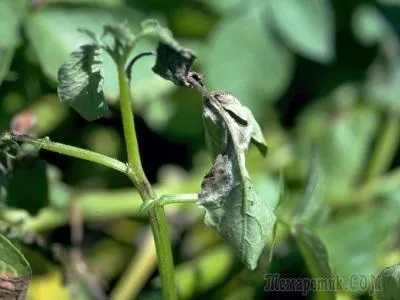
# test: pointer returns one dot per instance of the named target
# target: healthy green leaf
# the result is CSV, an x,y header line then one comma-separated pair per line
x,y
9,22
10,15
307,26
15,271
231,202
244,58
369,25
382,86
353,243
316,258
389,283
312,201
342,139
6,56
81,83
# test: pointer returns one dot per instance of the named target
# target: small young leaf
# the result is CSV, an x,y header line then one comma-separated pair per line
x,y
231,202
316,259
389,283
15,271
123,39
81,83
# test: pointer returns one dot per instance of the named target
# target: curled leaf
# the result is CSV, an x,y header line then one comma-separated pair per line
x,y
173,61
81,83
173,64
231,202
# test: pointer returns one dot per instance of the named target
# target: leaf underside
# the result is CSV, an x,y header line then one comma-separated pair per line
x,y
231,202
81,83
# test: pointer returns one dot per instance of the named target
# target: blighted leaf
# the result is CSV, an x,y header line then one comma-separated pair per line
x,y
173,61
389,283
43,29
316,259
81,83
231,202
307,26
14,271
173,64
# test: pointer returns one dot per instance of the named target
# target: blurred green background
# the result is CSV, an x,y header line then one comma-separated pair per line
x,y
314,72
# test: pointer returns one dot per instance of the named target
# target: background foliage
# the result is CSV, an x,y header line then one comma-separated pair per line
x,y
321,76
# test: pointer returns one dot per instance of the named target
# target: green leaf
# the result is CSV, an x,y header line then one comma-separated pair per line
x,y
383,86
245,59
9,23
81,83
10,16
354,243
231,202
312,201
343,140
389,283
369,25
6,56
15,271
307,26
315,257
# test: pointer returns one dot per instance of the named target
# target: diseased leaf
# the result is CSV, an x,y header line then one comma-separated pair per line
x,y
389,283
173,61
81,83
43,29
316,258
307,26
173,64
15,271
231,202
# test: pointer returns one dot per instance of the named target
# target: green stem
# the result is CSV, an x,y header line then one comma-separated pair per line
x,y
76,152
386,146
157,216
168,199
179,198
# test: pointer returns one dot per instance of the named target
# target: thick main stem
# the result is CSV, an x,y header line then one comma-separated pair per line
x,y
157,216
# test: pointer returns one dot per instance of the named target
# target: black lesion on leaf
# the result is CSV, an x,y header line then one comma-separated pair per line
x,y
174,64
